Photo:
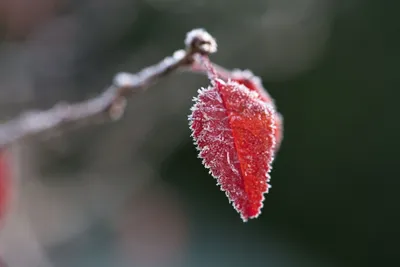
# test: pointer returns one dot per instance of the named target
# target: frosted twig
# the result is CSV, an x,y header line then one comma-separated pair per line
x,y
111,103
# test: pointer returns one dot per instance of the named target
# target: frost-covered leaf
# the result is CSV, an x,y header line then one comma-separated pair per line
x,y
235,131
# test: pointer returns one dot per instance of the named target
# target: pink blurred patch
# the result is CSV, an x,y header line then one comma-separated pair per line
x,y
153,231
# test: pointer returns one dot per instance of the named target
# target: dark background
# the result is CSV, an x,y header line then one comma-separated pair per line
x,y
332,67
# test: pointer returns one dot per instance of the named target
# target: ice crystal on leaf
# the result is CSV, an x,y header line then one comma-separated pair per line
x,y
235,128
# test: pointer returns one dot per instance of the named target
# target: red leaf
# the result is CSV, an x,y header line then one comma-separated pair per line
x,y
248,79
4,182
235,132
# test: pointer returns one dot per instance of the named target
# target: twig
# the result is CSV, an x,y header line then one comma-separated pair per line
x,y
111,103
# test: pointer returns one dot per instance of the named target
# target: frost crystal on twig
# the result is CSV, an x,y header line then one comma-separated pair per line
x,y
202,40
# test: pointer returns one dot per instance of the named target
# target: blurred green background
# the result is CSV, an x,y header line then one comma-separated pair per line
x,y
331,67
